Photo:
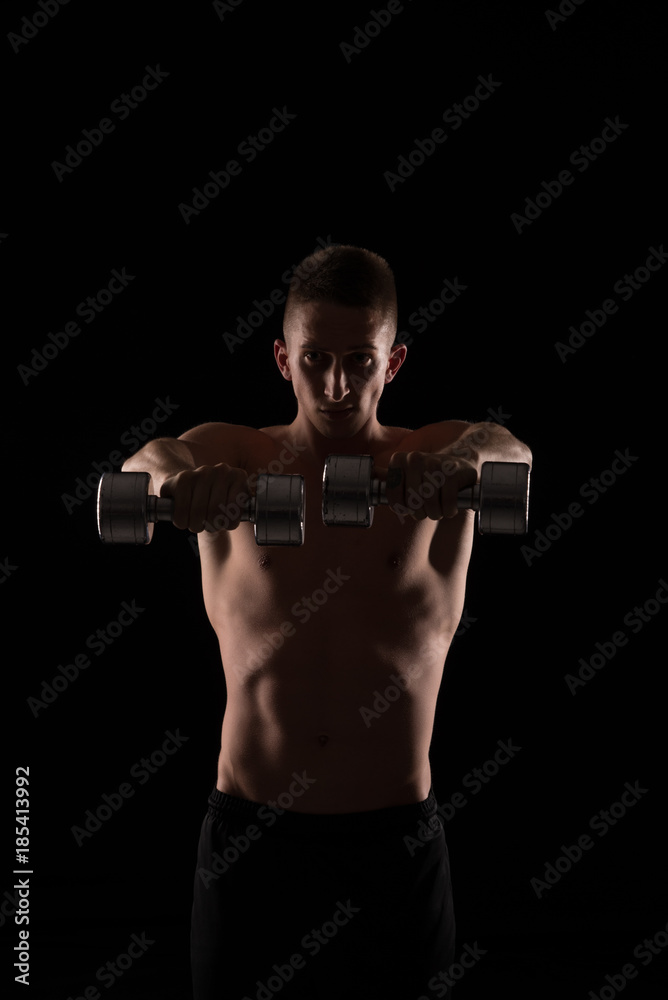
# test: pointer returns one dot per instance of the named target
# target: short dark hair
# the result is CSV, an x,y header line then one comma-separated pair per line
x,y
345,276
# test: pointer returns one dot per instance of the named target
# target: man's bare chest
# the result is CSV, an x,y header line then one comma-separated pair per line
x,y
393,541
396,556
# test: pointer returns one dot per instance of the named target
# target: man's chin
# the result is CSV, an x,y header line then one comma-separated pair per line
x,y
338,425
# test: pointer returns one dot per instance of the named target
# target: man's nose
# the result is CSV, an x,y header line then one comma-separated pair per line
x,y
336,383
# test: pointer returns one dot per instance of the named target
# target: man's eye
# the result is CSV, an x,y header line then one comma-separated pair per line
x,y
361,359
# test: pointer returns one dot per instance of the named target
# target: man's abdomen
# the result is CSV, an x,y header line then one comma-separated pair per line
x,y
333,660
333,734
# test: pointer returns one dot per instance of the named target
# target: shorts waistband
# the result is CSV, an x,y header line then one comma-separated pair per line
x,y
223,806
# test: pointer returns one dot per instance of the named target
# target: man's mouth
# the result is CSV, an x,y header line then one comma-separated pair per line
x,y
339,414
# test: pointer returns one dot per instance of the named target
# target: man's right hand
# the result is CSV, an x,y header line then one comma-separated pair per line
x,y
209,497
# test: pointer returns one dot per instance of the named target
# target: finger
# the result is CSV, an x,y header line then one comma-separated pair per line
x,y
458,478
414,494
228,500
430,488
198,512
395,478
448,501
177,487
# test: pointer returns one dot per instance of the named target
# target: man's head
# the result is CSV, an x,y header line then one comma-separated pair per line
x,y
339,326
343,276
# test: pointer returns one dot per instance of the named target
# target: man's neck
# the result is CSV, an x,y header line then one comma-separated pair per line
x,y
369,440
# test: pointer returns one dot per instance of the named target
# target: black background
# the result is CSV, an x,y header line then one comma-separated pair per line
x,y
530,617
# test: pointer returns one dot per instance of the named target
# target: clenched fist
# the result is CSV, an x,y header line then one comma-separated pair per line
x,y
425,485
208,498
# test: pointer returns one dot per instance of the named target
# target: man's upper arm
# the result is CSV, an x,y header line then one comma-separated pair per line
x,y
216,442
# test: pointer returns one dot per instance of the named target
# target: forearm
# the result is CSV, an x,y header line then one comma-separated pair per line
x,y
161,458
489,442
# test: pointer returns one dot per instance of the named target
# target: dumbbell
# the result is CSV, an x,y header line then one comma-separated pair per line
x,y
501,498
126,511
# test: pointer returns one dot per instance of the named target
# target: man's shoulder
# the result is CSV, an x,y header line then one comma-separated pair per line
x,y
217,441
431,437
276,432
216,431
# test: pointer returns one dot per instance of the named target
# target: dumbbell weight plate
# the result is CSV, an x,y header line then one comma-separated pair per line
x,y
125,495
279,510
346,493
504,499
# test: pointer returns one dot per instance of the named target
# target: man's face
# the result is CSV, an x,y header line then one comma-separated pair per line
x,y
338,360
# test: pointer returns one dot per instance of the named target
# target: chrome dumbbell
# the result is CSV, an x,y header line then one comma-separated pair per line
x,y
501,498
126,511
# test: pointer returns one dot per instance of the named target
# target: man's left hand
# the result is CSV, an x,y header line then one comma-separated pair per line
x,y
426,485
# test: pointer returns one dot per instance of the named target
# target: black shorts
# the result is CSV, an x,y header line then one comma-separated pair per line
x,y
301,905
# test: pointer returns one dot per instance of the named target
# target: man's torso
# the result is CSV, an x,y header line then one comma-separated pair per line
x,y
333,652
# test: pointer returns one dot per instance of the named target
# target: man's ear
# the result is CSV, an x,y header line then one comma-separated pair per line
x,y
282,360
395,361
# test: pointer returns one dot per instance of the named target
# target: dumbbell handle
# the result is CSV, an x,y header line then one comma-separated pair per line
x,y
467,499
162,509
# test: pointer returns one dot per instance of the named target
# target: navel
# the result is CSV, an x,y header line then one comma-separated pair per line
x,y
264,561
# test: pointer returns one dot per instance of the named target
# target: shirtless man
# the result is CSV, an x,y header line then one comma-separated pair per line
x,y
322,865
